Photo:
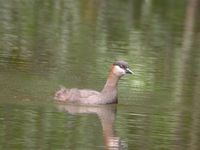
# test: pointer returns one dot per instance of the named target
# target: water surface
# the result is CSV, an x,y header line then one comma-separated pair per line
x,y
45,44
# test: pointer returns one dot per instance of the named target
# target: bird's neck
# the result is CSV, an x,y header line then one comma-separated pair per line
x,y
111,82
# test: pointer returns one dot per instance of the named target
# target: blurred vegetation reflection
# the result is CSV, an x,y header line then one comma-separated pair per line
x,y
44,44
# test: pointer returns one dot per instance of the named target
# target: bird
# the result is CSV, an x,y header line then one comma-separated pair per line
x,y
108,95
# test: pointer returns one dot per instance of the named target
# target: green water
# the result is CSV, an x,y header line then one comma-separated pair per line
x,y
45,44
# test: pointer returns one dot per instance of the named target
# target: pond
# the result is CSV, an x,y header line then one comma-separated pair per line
x,y
48,44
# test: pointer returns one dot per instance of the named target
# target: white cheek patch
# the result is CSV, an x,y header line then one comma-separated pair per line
x,y
119,71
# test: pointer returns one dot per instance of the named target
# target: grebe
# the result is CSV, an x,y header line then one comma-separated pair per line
x,y
108,94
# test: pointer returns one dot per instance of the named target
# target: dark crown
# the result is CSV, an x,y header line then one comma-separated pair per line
x,y
121,63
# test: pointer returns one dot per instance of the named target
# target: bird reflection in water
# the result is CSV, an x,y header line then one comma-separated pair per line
x,y
106,115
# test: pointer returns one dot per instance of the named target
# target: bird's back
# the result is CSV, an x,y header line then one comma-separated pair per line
x,y
84,96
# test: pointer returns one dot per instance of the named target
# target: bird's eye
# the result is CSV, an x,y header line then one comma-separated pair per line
x,y
122,66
